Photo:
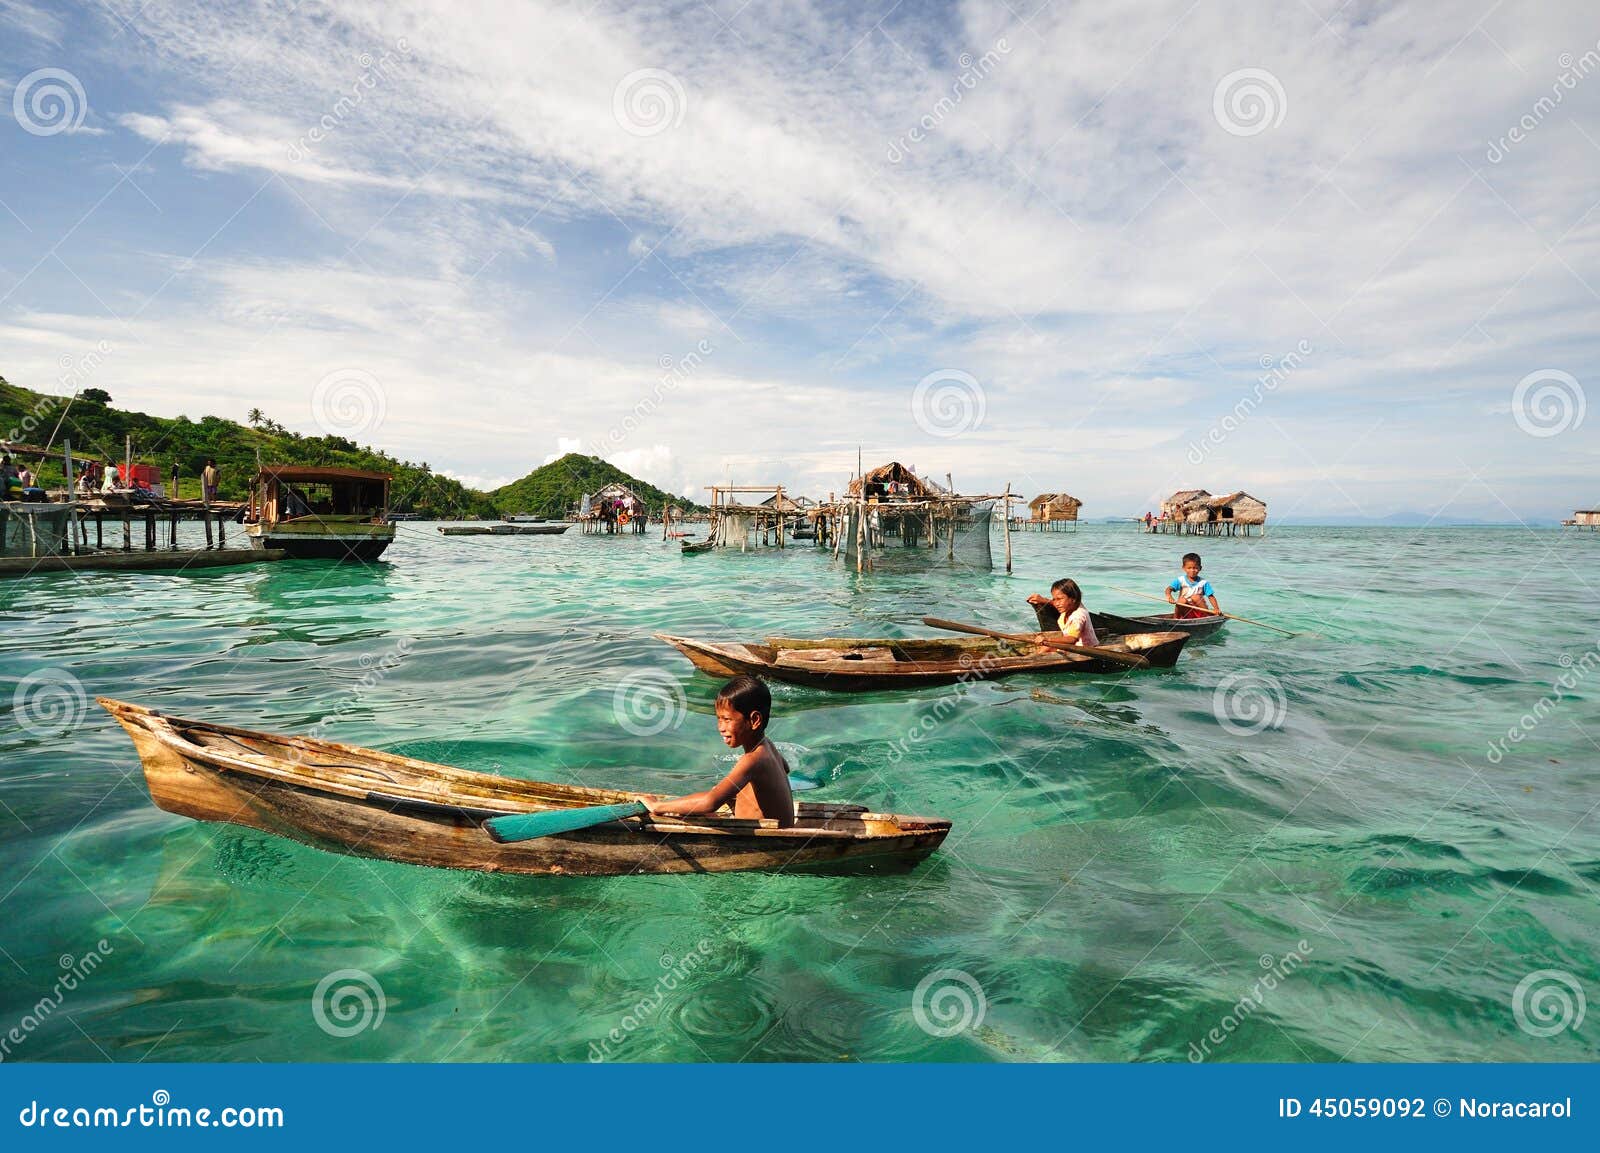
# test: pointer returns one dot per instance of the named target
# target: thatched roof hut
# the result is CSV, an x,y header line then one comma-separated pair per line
x,y
908,483
1179,504
789,505
1238,507
1051,506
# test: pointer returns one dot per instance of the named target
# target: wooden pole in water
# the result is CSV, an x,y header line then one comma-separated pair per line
x,y
861,526
1008,526
73,524
780,516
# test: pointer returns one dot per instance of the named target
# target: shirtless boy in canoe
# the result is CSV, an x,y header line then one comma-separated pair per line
x,y
758,786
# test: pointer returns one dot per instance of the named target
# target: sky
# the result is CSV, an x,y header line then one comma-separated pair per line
x,y
1340,255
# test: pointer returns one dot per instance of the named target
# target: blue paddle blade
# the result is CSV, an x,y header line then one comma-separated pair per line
x,y
527,826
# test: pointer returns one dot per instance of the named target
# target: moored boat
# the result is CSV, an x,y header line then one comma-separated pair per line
x,y
856,664
373,804
323,513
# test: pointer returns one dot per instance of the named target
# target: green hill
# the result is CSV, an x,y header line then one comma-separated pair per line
x,y
98,430
553,489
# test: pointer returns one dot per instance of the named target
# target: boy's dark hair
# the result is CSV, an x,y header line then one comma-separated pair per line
x,y
745,695
1068,586
1191,556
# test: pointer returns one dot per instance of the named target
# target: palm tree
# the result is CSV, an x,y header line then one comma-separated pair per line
x,y
255,416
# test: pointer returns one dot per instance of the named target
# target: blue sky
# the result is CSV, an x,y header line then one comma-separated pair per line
x,y
1340,255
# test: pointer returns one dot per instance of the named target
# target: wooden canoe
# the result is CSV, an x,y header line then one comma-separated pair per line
x,y
857,665
1107,625
372,804
1112,625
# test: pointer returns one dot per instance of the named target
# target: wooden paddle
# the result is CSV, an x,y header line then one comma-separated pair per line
x,y
1132,660
1208,612
527,826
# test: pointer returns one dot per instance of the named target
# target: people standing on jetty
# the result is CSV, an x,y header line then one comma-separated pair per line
x,y
1189,594
110,479
758,786
1066,598
209,476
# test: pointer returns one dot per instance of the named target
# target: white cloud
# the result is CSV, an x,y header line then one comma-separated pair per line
x,y
1079,234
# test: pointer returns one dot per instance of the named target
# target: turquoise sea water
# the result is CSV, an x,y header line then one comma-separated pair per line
x,y
1129,860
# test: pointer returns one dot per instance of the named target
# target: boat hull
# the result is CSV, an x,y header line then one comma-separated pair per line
x,y
371,804
867,665
314,540
1112,625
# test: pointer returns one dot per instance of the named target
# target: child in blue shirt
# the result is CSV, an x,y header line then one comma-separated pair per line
x,y
1189,594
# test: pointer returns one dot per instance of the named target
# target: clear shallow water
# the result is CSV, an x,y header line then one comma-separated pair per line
x,y
1121,861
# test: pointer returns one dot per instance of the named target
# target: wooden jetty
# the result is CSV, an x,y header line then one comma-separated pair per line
x,y
740,522
161,560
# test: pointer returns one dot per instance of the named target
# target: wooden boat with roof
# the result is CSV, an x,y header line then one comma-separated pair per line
x,y
320,512
373,804
860,665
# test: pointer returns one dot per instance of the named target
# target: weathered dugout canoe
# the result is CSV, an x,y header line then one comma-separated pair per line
x,y
372,804
860,665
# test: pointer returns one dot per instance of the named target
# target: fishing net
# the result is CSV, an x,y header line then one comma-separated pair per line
x,y
33,530
919,534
